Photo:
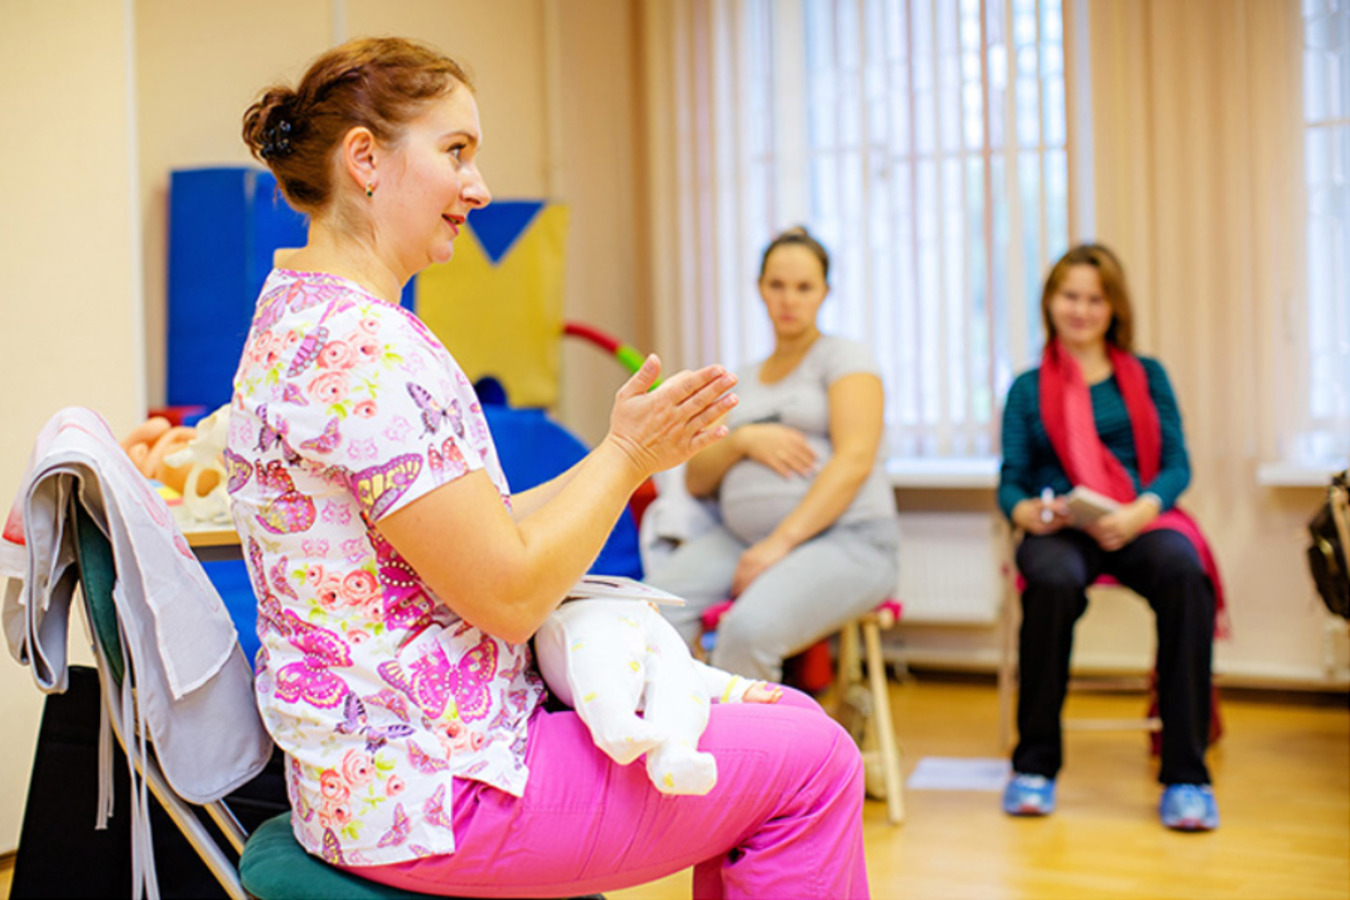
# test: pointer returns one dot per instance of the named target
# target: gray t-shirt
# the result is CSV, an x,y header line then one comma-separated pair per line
x,y
754,498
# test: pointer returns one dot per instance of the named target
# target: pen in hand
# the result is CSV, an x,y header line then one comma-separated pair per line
x,y
1047,497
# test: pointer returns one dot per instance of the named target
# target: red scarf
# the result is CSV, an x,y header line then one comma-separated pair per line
x,y
1066,410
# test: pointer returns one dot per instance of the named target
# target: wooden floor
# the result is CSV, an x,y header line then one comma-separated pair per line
x,y
1282,775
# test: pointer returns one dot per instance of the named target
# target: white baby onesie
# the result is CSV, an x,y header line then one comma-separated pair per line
x,y
609,659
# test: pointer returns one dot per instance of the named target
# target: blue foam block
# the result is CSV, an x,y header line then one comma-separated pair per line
x,y
533,448
224,226
231,580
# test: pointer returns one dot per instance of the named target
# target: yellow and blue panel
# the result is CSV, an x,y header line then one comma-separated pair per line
x,y
497,304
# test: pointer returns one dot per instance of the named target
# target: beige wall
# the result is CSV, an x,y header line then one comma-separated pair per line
x,y
146,86
69,265
196,73
594,132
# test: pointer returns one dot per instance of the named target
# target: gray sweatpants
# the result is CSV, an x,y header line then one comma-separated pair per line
x,y
838,575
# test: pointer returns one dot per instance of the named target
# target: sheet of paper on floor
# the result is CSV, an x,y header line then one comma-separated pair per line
x,y
948,773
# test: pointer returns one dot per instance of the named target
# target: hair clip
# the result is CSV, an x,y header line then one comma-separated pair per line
x,y
276,140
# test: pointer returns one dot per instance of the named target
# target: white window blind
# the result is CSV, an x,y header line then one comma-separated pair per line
x,y
1326,94
924,143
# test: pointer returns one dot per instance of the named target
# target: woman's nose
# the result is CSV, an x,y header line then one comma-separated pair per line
x,y
475,191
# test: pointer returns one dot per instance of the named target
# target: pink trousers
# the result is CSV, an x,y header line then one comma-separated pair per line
x,y
785,819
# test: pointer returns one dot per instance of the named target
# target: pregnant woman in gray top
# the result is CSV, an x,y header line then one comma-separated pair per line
x,y
808,536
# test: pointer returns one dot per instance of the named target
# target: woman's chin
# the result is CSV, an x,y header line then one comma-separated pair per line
x,y
442,253
1082,338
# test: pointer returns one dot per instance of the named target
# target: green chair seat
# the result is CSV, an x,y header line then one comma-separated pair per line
x,y
275,867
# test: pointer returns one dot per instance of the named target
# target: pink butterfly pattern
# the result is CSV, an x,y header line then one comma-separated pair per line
x,y
434,413
432,681
391,701
237,470
424,762
427,683
278,573
270,614
362,450
332,849
326,442
292,394
398,429
355,721
406,604
336,513
356,550
379,487
398,833
309,350
434,809
448,462
286,510
309,679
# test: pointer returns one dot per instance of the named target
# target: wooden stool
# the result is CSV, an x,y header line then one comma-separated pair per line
x,y
859,638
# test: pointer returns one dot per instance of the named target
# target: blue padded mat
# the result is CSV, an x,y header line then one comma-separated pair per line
x,y
225,223
231,579
533,448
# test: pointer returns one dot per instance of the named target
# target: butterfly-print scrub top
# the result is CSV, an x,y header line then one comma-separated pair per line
x,y
345,409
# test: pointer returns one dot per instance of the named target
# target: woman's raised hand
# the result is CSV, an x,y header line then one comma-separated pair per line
x,y
780,447
661,428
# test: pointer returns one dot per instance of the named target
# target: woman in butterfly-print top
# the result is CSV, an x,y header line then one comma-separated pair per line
x,y
337,432
399,581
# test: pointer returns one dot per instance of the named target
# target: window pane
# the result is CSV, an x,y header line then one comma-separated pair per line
x,y
939,233
1326,432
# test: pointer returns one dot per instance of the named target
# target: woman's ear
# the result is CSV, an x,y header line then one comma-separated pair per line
x,y
359,152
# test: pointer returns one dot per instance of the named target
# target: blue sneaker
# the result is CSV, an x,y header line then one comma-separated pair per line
x,y
1029,795
1189,807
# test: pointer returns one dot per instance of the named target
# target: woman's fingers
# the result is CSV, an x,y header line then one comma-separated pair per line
x,y
643,378
703,389
668,425
802,458
681,386
706,438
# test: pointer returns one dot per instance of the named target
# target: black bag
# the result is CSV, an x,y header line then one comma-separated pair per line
x,y
61,855
1330,530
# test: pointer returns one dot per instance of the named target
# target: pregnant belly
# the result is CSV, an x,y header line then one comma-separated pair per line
x,y
754,499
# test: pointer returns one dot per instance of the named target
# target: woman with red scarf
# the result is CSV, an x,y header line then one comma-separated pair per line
x,y
1096,415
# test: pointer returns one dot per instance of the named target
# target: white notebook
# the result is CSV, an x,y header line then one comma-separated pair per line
x,y
1087,506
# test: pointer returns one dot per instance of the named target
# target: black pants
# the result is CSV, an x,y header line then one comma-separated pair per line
x,y
1163,568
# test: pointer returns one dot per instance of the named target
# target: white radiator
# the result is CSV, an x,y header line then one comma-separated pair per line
x,y
950,567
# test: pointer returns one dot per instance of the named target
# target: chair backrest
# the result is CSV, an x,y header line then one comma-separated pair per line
x,y
93,553
98,574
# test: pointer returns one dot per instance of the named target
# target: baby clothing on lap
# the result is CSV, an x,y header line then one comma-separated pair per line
x,y
610,659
